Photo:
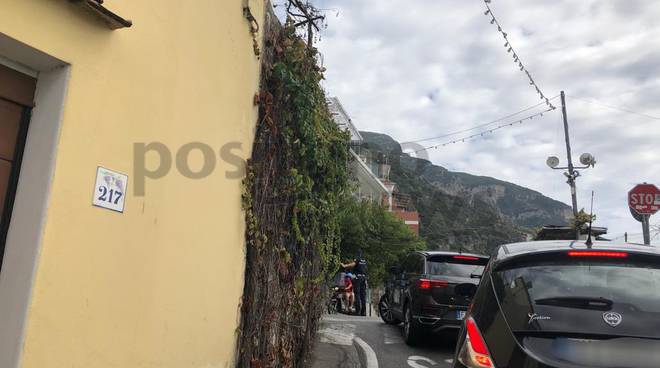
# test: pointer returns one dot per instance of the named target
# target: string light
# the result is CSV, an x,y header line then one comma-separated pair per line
x,y
489,131
516,58
492,122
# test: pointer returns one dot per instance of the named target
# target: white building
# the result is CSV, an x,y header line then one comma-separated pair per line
x,y
369,186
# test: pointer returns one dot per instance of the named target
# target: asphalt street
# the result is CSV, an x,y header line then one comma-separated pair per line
x,y
340,336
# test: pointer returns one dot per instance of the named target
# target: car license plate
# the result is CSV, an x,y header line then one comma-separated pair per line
x,y
460,315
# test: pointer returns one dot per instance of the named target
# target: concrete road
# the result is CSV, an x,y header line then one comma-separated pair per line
x,y
342,339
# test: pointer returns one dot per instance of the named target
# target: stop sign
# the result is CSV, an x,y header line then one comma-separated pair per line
x,y
644,199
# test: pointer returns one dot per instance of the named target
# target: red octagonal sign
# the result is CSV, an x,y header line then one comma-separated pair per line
x,y
644,199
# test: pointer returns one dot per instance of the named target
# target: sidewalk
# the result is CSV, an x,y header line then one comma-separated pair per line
x,y
334,345
328,355
338,346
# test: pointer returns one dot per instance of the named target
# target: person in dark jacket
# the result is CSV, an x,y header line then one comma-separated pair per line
x,y
359,267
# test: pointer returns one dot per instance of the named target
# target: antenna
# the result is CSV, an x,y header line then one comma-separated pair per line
x,y
591,219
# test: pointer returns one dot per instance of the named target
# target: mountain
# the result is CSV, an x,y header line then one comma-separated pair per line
x,y
459,210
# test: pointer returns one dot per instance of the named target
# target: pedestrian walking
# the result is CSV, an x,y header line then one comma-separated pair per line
x,y
359,267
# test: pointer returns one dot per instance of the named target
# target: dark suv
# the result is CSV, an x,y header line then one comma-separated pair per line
x,y
430,292
562,304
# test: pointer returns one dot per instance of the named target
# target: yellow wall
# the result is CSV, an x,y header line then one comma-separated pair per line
x,y
159,285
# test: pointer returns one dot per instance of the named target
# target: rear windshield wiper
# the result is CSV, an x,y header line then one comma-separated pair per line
x,y
583,302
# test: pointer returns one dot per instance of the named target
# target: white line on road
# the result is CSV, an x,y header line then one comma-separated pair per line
x,y
413,361
371,361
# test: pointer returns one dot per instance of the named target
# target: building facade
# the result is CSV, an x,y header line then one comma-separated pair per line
x,y
372,174
121,158
367,183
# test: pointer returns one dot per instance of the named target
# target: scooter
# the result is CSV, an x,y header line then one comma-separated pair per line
x,y
336,303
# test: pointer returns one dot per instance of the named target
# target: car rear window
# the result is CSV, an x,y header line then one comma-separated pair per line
x,y
579,296
459,266
622,283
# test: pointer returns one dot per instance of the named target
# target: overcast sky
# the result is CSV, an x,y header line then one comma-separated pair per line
x,y
422,68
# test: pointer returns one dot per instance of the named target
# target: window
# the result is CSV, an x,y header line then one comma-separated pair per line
x,y
16,96
453,266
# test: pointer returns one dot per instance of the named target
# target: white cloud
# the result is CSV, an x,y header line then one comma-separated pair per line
x,y
422,68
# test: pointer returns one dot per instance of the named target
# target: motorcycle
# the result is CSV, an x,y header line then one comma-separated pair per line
x,y
336,303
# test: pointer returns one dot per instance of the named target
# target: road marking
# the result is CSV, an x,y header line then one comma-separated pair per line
x,y
369,354
413,361
339,334
449,361
392,335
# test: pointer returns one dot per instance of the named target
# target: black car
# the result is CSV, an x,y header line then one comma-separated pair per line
x,y
561,304
427,293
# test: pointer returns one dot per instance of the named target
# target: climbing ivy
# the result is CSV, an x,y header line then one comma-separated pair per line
x,y
295,180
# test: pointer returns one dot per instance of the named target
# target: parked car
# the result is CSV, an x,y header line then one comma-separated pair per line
x,y
430,292
560,304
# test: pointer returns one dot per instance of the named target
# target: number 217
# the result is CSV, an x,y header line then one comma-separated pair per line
x,y
110,196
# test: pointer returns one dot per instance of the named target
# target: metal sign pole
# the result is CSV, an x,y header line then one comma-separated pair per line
x,y
646,229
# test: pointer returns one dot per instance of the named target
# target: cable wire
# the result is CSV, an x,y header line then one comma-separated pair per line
x,y
617,108
488,131
480,125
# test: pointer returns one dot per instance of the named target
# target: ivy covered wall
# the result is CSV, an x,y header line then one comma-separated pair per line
x,y
295,180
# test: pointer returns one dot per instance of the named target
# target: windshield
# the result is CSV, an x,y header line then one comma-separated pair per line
x,y
450,266
623,284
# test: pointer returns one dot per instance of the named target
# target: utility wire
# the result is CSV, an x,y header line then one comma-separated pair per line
x,y
516,58
480,125
617,108
488,131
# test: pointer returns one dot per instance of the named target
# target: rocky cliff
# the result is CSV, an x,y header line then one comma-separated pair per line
x,y
460,210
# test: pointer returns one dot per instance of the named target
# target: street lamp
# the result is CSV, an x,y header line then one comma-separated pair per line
x,y
572,173
587,159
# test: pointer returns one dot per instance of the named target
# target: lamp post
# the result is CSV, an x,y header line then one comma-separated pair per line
x,y
572,172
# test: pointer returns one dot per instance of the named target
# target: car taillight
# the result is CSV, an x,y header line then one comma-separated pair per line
x,y
474,353
588,253
466,258
426,284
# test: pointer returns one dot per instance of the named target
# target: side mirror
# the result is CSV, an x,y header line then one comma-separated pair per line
x,y
395,271
466,290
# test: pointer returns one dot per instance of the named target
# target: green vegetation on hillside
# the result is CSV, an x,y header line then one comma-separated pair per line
x,y
448,221
522,206
451,222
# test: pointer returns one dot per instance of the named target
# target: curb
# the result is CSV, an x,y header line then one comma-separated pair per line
x,y
366,354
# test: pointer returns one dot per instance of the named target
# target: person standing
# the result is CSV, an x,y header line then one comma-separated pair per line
x,y
359,267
